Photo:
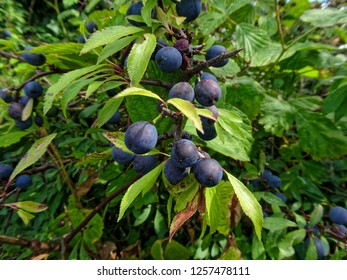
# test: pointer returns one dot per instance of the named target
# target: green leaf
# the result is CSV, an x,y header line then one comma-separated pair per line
x,y
64,82
258,250
139,57
149,109
30,206
72,91
245,94
285,246
7,140
160,226
270,53
188,109
58,49
276,223
249,204
115,46
28,109
250,38
217,207
326,17
176,251
107,111
316,215
133,91
135,189
140,219
186,196
146,11
336,102
272,199
108,35
157,251
311,253
319,137
277,115
181,217
25,216
34,154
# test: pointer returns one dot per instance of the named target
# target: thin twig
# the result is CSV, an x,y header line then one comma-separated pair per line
x,y
101,205
190,72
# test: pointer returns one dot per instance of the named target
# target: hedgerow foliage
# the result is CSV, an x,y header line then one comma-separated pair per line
x,y
279,136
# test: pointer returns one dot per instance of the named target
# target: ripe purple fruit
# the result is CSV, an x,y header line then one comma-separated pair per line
x,y
168,59
208,121
207,92
6,34
189,8
38,120
215,51
5,171
209,132
338,215
36,59
206,76
173,173
281,196
121,157
184,153
144,164
115,118
23,181
91,26
5,95
22,125
15,110
208,172
135,10
182,90
33,89
141,137
340,230
182,45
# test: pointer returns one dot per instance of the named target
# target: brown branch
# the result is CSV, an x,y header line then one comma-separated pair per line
x,y
101,205
156,83
35,245
190,72
39,75
9,55
43,167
